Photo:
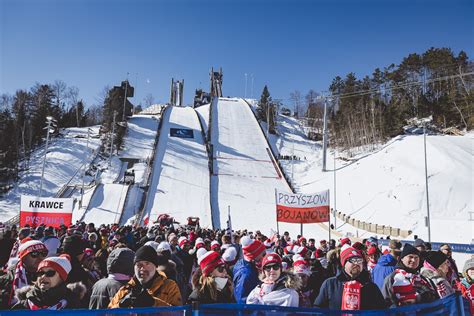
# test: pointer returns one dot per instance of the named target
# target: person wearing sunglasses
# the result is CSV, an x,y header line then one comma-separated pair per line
x,y
23,272
277,288
50,290
352,288
211,283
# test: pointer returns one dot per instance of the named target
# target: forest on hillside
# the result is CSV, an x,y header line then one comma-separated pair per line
x,y
365,111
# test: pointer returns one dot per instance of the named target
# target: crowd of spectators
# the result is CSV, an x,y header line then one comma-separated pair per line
x,y
84,266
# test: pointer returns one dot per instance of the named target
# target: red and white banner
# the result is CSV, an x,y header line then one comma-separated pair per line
x,y
48,211
302,208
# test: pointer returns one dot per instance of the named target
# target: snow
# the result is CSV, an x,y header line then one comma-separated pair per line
x,y
203,113
244,177
386,186
111,201
141,132
64,159
180,181
106,204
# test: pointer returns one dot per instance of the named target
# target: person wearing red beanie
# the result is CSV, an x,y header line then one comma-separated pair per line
x,y
50,290
278,287
246,269
211,282
22,274
352,288
372,257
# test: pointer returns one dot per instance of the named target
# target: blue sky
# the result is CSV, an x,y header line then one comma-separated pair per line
x,y
288,45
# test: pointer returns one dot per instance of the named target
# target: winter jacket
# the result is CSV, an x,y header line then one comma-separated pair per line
x,y
438,281
283,293
425,291
385,266
6,286
226,295
334,263
245,279
316,279
60,297
103,291
466,286
161,292
187,260
330,295
204,297
6,245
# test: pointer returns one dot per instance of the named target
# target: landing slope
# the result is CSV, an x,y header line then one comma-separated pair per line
x,y
180,181
245,175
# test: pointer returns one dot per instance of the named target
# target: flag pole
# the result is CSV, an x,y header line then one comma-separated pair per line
x,y
229,225
276,209
329,219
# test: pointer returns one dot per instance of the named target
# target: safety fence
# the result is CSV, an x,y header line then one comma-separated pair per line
x,y
453,305
371,227
461,248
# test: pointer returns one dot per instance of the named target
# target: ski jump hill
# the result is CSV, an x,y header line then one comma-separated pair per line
x,y
245,173
180,181
239,174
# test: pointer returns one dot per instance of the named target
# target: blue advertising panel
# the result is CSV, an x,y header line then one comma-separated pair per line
x,y
181,132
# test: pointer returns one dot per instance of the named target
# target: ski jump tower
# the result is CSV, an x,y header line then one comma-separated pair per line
x,y
176,92
216,83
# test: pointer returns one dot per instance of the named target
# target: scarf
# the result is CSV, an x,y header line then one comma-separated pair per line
x,y
52,299
61,305
119,277
351,296
371,264
13,253
20,280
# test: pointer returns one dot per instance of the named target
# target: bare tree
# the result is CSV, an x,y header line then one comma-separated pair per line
x,y
6,101
102,95
149,100
72,95
60,92
94,115
295,97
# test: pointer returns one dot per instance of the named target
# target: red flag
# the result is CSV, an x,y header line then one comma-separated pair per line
x,y
146,219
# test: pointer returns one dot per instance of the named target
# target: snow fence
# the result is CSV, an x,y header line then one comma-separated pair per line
x,y
451,305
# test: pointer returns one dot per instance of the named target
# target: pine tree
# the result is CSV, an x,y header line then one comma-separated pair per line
x,y
263,104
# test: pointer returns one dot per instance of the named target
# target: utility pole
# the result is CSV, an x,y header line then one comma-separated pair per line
x,y
112,139
251,87
245,95
84,172
125,99
50,122
325,134
428,220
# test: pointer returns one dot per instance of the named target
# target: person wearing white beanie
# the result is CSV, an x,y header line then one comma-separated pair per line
x,y
50,290
230,256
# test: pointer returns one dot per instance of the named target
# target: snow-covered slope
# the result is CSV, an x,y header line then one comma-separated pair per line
x,y
106,204
387,187
64,159
244,177
141,132
180,181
